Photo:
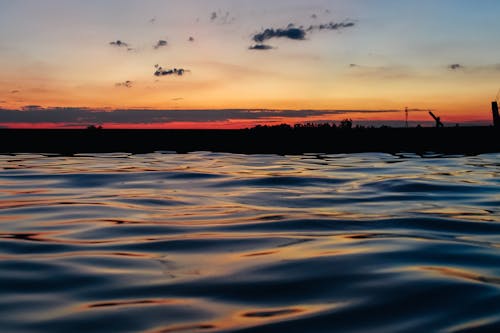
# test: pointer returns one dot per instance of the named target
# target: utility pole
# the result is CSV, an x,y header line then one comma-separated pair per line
x,y
496,115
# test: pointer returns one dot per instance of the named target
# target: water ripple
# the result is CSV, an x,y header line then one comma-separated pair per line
x,y
208,242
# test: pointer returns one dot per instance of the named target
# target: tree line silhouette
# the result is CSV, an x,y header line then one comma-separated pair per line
x,y
345,124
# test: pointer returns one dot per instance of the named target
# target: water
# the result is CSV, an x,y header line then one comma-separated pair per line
x,y
220,243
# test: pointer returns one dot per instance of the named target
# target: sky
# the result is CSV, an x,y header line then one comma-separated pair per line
x,y
150,63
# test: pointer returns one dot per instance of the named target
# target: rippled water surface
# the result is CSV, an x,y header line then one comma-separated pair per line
x,y
217,242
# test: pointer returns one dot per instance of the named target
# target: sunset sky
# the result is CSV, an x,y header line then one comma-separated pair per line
x,y
239,63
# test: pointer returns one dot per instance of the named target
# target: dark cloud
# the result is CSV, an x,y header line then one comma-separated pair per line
x,y
455,67
15,91
261,47
153,20
314,16
83,116
191,39
160,43
297,33
213,16
160,71
126,84
119,43
291,32
178,99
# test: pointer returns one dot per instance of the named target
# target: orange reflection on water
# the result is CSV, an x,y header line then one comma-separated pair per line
x,y
140,303
237,317
464,213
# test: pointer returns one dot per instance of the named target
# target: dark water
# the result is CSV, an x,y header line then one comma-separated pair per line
x,y
212,242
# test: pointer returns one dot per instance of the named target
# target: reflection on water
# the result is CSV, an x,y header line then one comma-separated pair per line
x,y
209,242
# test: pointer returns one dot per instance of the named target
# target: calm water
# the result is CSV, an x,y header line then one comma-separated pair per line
x,y
216,242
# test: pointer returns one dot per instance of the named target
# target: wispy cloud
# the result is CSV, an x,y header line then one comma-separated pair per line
x,y
220,17
118,43
471,69
160,43
121,44
331,26
125,84
261,47
455,67
377,72
32,108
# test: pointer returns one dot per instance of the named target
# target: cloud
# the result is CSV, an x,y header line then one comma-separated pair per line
x,y
220,17
126,84
295,33
119,43
32,108
377,72
291,32
191,39
15,91
331,26
160,43
261,47
84,116
160,71
455,67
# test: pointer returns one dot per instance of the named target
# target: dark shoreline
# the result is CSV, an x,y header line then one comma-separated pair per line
x,y
456,140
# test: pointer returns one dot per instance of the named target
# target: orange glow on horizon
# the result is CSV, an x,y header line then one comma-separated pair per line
x,y
364,119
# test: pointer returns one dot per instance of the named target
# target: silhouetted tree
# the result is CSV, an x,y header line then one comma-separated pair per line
x,y
94,128
346,124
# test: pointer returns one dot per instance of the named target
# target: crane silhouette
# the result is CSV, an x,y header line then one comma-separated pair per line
x,y
439,124
407,112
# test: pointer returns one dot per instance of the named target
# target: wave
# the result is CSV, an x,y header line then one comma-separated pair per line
x,y
209,242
